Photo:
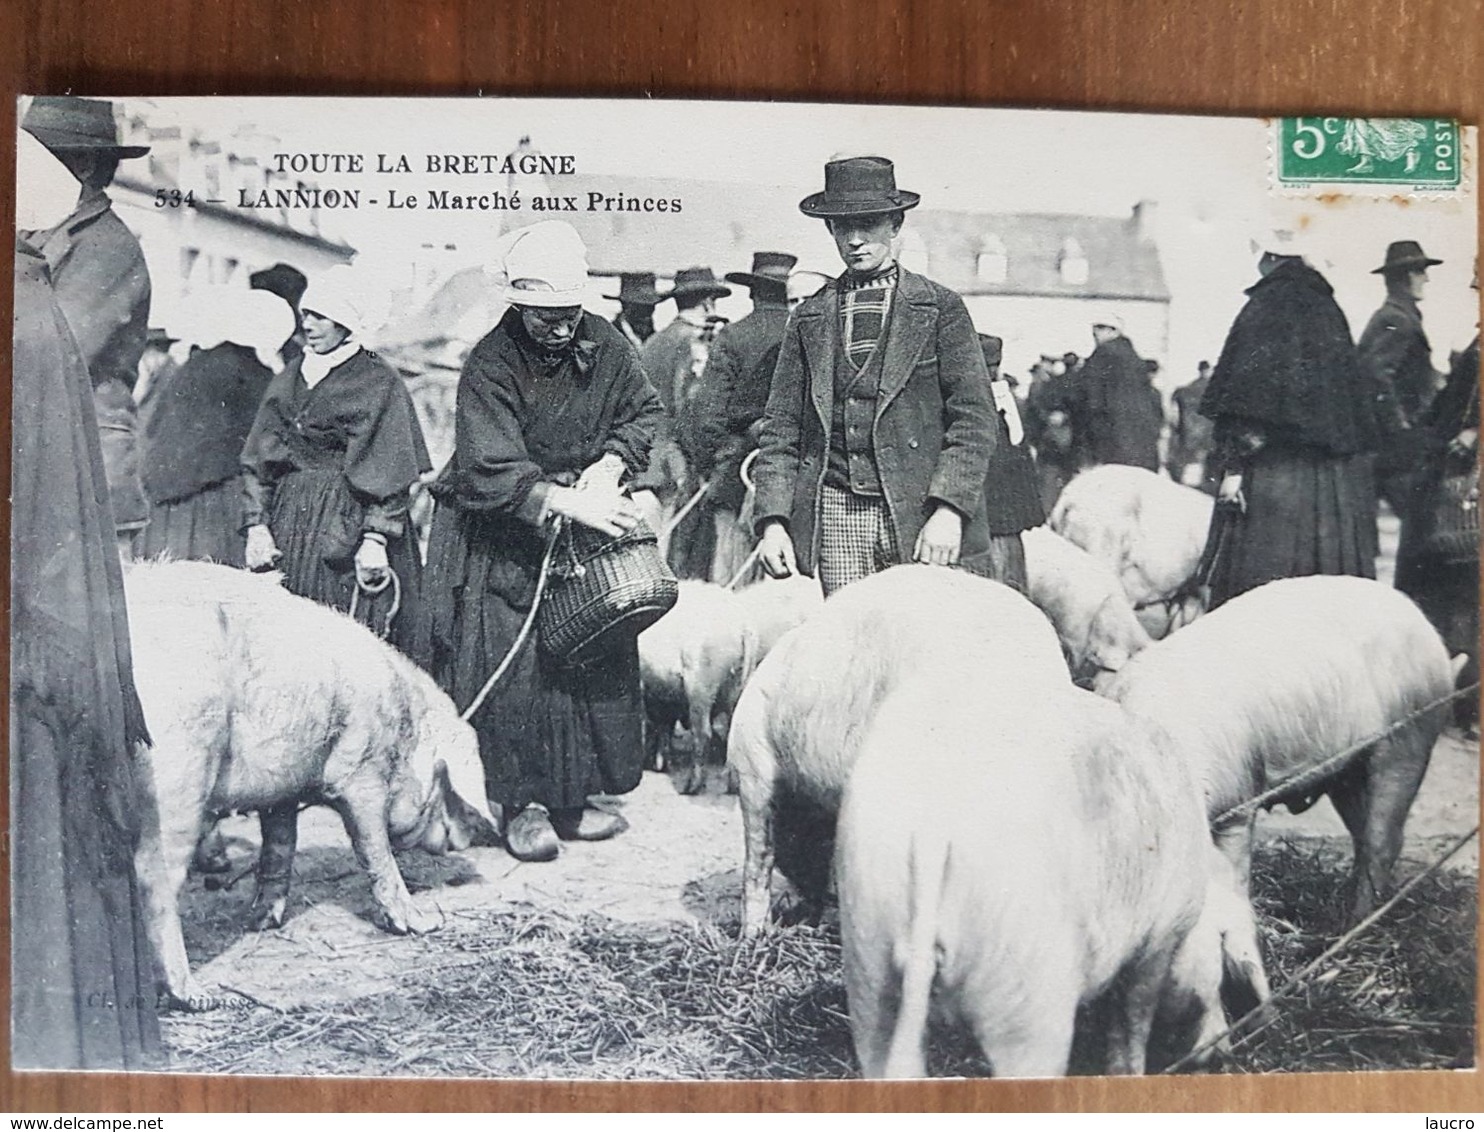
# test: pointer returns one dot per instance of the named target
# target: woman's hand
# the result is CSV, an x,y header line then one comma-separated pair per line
x,y
262,551
941,537
1465,443
604,472
776,550
601,508
1231,490
372,569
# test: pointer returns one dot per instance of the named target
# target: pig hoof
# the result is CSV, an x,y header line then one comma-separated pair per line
x,y
407,920
266,917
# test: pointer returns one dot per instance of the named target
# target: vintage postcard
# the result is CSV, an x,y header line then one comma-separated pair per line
x,y
708,590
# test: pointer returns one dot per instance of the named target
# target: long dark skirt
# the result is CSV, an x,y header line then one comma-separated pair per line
x,y
316,522
1308,512
203,527
546,734
82,965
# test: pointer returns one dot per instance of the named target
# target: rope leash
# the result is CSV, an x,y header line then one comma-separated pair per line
x,y
392,580
525,629
1304,973
690,505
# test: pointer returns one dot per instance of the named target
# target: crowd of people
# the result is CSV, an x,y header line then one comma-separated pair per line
x,y
883,432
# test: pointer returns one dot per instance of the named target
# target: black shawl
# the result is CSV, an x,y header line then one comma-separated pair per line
x,y
1289,366
200,419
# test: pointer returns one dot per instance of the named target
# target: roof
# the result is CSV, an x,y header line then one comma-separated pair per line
x,y
1122,262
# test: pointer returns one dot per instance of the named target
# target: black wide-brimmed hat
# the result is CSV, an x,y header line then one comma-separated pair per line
x,y
1405,255
697,282
858,186
281,279
64,122
637,288
767,268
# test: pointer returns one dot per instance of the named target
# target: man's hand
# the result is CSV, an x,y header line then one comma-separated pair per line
x,y
776,550
372,569
941,537
262,551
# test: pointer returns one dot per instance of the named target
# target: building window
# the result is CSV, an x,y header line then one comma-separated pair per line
x,y
993,264
1072,263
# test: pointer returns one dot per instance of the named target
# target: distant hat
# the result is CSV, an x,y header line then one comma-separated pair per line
x,y
637,288
993,349
1108,319
1405,255
1071,358
159,336
858,186
697,282
64,122
545,265
281,279
768,268
1282,241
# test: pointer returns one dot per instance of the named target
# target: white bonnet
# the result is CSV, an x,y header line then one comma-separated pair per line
x,y
543,265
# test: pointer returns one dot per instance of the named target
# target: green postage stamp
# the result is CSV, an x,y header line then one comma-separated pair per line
x,y
1415,154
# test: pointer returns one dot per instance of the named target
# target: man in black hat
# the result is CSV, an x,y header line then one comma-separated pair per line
x,y
289,284
637,298
1398,362
730,399
879,426
101,283
673,360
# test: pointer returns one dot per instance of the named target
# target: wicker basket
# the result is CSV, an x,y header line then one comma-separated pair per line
x,y
1453,525
602,591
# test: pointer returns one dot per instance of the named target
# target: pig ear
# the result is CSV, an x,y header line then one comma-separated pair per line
x,y
477,828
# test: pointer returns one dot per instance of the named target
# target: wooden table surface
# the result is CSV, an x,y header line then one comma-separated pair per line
x,y
1248,56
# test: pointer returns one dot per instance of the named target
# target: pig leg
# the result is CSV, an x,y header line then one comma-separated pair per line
x,y
1136,999
279,826
751,754
363,809
1373,796
161,863
1025,1035
703,741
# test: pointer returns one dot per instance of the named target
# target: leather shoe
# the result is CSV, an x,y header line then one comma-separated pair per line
x,y
587,824
529,836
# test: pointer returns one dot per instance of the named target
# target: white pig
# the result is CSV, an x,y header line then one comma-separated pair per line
x,y
1285,676
1007,860
1080,594
260,700
800,721
1149,529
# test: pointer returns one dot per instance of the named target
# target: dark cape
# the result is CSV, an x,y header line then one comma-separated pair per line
x,y
323,466
102,284
526,420
1290,365
1121,407
82,969
1289,403
198,422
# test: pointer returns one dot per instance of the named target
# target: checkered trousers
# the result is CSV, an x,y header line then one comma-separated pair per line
x,y
856,538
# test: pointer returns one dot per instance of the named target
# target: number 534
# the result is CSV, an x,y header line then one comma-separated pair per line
x,y
174,198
